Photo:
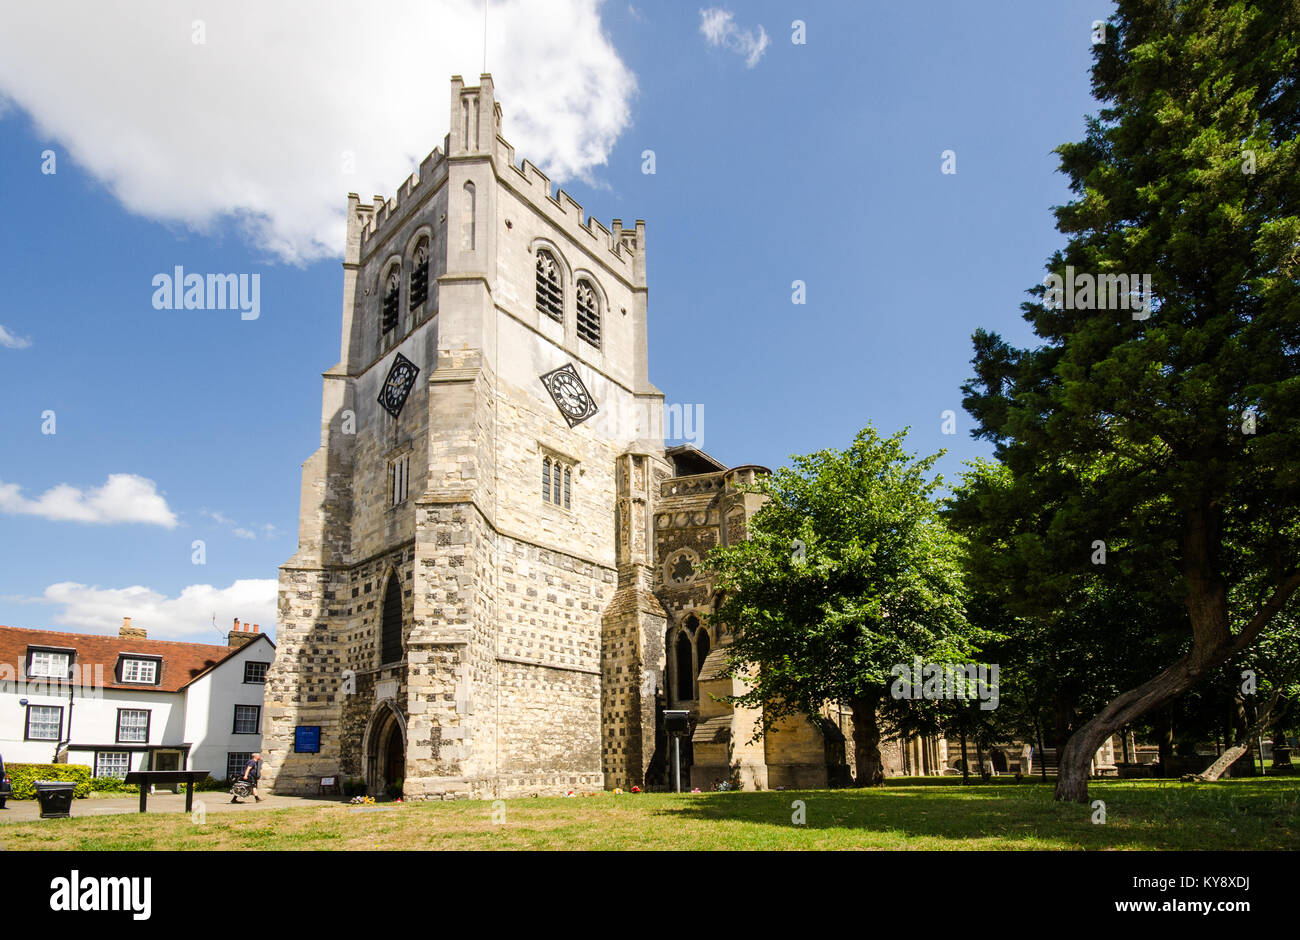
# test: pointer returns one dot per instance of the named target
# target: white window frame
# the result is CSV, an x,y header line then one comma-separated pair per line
x,y
131,726
58,728
43,664
125,763
141,665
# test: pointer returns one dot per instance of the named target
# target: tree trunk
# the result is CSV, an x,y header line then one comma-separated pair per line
x,y
1240,745
1063,717
1166,742
866,741
965,764
1213,643
1223,762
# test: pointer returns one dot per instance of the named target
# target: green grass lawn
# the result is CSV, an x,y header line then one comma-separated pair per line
x,y
1140,814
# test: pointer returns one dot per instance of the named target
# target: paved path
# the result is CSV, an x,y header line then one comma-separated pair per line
x,y
214,801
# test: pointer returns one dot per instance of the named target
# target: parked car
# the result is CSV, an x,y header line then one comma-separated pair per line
x,y
5,787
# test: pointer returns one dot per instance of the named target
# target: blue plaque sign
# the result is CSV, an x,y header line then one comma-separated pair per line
x,y
306,739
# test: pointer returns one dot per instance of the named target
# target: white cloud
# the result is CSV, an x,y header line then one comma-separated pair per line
x,y
253,123
239,531
124,497
718,26
186,617
12,341
216,516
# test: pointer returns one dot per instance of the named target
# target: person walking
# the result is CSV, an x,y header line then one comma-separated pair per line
x,y
252,770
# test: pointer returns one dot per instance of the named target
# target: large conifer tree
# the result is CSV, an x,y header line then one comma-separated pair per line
x,y
1172,436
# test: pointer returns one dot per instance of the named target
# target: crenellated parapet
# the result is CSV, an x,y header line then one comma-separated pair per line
x,y
475,116
619,246
388,214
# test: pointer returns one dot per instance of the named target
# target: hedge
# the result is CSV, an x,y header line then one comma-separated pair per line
x,y
22,776
112,785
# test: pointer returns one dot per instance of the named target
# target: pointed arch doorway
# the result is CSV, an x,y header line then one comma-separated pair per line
x,y
385,748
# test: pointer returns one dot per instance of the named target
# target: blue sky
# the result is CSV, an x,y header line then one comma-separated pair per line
x,y
817,162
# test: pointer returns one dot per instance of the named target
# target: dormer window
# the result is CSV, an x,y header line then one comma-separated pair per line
x,y
138,671
48,664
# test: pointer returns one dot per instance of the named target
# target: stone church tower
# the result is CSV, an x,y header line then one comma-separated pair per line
x,y
476,606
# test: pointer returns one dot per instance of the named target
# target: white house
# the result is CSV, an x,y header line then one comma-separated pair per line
x,y
125,702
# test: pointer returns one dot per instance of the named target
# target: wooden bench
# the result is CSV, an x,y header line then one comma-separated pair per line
x,y
146,778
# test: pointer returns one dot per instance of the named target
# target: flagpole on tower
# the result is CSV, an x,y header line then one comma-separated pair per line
x,y
485,11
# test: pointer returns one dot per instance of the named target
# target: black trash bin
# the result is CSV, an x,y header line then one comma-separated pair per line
x,y
55,798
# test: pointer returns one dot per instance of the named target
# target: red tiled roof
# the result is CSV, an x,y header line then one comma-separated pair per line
x,y
181,662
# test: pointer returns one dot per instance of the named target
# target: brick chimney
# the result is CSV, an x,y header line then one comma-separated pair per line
x,y
134,633
242,634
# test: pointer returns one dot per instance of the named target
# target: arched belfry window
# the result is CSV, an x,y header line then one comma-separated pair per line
x,y
685,668
420,273
390,634
392,300
550,295
588,313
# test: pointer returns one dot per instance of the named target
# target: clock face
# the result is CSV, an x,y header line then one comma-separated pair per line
x,y
398,385
569,394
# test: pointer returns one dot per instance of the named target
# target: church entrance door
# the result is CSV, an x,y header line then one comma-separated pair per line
x,y
385,751
395,749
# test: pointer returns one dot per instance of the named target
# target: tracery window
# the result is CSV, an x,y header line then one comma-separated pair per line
x,y
420,274
392,300
588,313
550,295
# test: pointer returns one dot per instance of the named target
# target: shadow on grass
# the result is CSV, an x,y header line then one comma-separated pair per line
x,y
1139,814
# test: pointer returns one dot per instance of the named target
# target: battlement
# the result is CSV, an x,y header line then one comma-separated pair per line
x,y
469,105
567,212
432,171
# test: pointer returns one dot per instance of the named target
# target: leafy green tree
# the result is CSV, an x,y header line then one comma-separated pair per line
x,y
848,571
1167,434
1069,641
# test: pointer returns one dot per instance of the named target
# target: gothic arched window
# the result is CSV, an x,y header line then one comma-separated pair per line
x,y
701,648
390,634
685,668
550,295
557,482
420,274
392,300
588,313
